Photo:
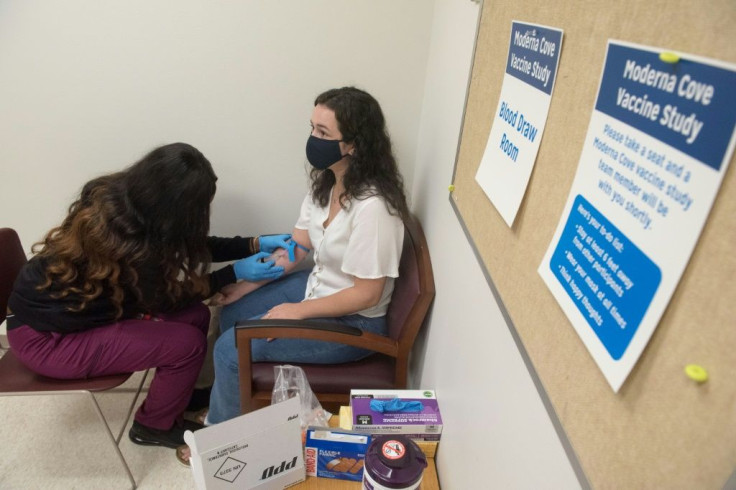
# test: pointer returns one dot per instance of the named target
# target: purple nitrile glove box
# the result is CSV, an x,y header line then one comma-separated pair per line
x,y
424,425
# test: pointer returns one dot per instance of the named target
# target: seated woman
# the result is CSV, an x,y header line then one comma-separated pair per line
x,y
118,286
352,219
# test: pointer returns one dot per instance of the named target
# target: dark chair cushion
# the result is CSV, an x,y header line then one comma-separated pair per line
x,y
15,377
375,371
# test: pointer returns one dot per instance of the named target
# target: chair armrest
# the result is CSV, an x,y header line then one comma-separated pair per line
x,y
314,330
310,324
247,330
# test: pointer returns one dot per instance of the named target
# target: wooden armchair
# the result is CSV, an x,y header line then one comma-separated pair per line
x,y
331,383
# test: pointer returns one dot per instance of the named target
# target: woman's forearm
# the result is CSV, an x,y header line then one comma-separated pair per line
x,y
233,292
364,294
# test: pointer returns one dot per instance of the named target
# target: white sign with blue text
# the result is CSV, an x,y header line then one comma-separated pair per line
x,y
519,120
658,144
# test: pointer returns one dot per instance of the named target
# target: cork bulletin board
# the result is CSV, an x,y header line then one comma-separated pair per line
x,y
662,430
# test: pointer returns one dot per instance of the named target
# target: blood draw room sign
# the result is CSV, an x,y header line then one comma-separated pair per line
x,y
519,120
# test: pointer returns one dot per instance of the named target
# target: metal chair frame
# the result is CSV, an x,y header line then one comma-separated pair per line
x,y
116,381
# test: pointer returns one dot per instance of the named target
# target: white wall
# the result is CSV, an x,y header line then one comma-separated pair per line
x,y
89,86
497,432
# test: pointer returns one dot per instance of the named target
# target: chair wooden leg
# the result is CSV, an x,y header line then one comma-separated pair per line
x,y
132,406
112,438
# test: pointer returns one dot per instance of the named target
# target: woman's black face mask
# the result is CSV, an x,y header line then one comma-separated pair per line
x,y
323,153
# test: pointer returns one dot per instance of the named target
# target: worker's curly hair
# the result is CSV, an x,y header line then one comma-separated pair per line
x,y
148,223
372,168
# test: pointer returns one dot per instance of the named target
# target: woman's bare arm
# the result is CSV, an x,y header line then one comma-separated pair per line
x,y
235,291
364,294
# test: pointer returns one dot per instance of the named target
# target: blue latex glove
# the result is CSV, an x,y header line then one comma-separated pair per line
x,y
396,405
269,243
252,269
292,247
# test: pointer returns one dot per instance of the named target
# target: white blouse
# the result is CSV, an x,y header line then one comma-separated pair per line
x,y
364,241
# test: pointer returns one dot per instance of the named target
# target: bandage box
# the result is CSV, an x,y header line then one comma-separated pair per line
x,y
335,454
424,425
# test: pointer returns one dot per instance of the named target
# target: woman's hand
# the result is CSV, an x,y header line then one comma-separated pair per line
x,y
231,293
269,243
216,300
254,268
285,311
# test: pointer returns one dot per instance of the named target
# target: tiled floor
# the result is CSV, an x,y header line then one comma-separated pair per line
x,y
58,442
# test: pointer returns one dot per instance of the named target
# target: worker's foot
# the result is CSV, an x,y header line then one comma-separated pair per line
x,y
148,436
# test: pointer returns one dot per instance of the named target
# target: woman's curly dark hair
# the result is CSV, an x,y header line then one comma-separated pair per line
x,y
372,168
148,223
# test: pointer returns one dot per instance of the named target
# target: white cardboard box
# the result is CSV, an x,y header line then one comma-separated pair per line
x,y
261,449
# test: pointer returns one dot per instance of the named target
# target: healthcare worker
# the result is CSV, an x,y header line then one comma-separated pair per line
x,y
118,286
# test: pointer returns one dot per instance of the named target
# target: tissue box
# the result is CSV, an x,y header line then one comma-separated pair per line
x,y
425,425
335,454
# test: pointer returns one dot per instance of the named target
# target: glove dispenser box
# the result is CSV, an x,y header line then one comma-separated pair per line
x,y
414,413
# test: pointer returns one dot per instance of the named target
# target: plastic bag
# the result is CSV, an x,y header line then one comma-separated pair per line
x,y
291,380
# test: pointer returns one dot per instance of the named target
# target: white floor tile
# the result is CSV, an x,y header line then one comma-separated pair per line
x,y
58,442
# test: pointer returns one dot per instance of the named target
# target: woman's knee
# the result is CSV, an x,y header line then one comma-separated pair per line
x,y
225,353
192,342
227,315
201,316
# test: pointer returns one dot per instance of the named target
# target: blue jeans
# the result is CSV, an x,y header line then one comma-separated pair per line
x,y
225,396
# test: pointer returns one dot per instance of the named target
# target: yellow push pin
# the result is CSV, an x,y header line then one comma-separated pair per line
x,y
669,57
696,373
450,187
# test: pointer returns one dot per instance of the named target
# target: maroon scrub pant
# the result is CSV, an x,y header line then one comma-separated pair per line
x,y
175,344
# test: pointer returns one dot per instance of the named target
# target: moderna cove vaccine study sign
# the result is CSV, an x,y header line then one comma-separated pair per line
x,y
658,144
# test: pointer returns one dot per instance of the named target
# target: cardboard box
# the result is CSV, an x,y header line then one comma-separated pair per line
x,y
425,425
261,449
335,454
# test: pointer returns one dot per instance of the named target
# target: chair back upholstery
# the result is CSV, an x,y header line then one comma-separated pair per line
x,y
12,259
413,289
